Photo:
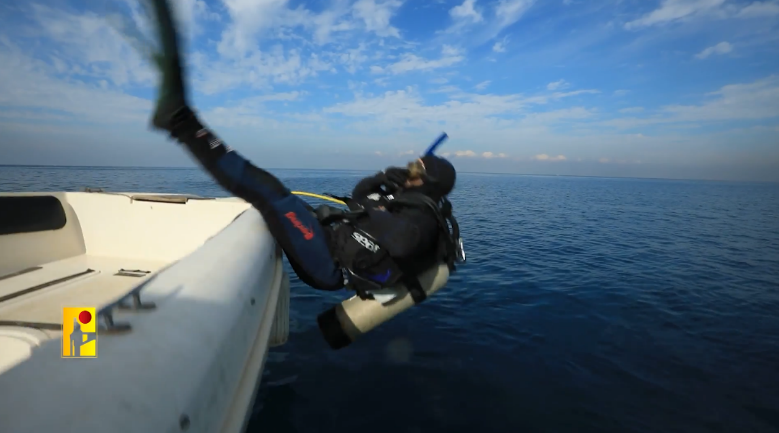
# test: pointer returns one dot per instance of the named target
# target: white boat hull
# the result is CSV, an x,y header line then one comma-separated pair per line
x,y
193,363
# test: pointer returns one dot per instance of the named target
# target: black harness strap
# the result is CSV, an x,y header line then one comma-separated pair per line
x,y
414,288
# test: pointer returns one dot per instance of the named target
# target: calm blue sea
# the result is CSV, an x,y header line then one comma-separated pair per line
x,y
586,305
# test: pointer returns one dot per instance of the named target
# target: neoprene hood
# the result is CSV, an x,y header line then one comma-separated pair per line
x,y
442,173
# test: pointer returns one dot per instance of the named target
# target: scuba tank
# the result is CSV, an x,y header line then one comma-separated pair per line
x,y
343,323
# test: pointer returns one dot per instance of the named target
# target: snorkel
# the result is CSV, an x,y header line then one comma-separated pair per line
x,y
431,149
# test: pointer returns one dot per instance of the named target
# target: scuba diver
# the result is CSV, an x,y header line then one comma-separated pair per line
x,y
396,227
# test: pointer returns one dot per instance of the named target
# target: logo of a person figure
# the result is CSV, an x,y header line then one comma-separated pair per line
x,y
77,336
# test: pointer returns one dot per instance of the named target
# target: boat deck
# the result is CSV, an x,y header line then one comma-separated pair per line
x,y
38,294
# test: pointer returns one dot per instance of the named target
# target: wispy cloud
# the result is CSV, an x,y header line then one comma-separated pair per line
x,y
756,100
674,10
509,12
466,11
473,154
556,85
685,10
500,46
377,16
720,48
411,62
487,22
407,107
760,9
490,155
545,157
745,101
483,85
33,85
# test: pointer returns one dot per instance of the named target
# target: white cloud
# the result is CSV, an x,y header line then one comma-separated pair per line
x,y
756,100
561,84
249,111
465,153
466,11
447,89
545,157
720,48
448,50
499,47
490,155
483,85
258,70
246,53
353,58
510,11
407,108
621,92
377,16
759,9
251,18
411,62
632,110
31,85
90,47
673,10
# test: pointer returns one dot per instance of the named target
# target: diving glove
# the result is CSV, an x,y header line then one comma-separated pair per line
x,y
396,177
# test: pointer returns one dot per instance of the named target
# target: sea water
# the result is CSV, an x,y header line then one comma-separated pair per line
x,y
586,305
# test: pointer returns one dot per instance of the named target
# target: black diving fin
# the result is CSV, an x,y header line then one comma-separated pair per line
x,y
172,96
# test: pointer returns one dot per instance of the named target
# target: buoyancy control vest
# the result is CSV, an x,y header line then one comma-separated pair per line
x,y
367,264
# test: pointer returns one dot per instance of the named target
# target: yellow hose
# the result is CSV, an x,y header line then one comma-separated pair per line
x,y
323,197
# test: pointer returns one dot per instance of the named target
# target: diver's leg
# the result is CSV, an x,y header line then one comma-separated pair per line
x,y
289,218
295,228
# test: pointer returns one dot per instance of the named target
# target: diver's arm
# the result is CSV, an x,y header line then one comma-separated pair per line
x,y
369,185
392,178
403,235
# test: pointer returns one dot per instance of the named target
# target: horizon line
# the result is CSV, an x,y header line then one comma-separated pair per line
x,y
364,170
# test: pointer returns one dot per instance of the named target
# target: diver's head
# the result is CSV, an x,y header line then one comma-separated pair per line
x,y
431,175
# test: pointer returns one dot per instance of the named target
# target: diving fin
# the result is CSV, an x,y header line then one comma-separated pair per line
x,y
171,98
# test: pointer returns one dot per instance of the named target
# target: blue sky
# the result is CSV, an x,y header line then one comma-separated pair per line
x,y
660,88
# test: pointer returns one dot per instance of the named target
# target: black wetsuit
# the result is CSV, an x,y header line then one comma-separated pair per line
x,y
408,235
316,253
